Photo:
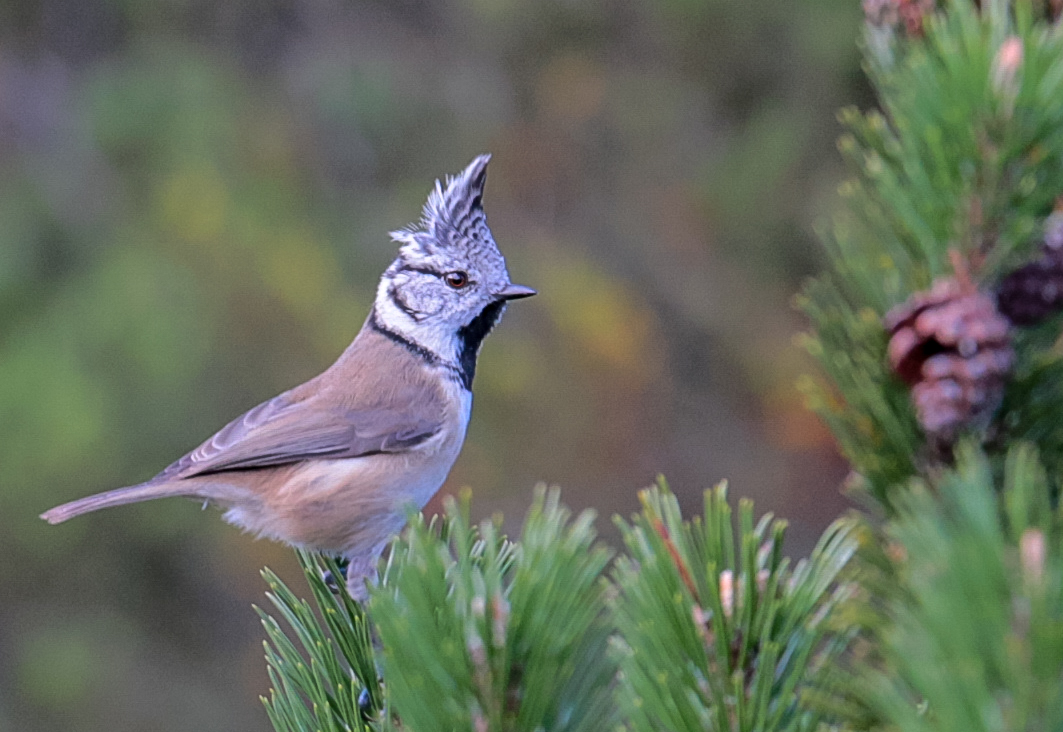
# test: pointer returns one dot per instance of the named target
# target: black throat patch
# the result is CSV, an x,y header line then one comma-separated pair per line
x,y
471,337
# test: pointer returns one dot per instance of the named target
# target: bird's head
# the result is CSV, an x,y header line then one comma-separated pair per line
x,y
449,284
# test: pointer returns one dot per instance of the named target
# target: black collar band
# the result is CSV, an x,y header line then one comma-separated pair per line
x,y
430,357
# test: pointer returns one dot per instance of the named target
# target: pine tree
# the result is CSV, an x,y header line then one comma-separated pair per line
x,y
937,328
714,634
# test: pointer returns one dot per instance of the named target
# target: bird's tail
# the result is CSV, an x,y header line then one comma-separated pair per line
x,y
118,497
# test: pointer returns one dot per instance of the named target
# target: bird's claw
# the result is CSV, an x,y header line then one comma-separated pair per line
x,y
330,580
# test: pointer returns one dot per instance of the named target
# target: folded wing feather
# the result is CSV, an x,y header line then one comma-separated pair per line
x,y
281,431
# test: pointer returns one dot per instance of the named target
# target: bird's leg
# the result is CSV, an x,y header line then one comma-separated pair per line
x,y
361,570
365,705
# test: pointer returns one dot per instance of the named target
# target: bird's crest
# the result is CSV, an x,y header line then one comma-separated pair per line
x,y
453,209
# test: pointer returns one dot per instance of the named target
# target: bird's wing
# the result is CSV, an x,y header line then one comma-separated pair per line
x,y
283,431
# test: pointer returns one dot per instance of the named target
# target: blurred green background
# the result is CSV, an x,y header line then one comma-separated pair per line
x,y
194,200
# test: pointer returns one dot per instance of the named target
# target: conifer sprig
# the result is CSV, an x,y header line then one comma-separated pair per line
x,y
718,632
975,641
482,634
325,680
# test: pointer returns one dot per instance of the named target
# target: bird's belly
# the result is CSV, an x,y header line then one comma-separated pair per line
x,y
349,504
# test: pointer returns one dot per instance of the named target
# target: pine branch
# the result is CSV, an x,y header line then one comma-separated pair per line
x,y
324,680
964,158
483,634
955,179
717,632
975,640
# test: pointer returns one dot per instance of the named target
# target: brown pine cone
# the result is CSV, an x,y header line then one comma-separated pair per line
x,y
893,13
953,347
1034,291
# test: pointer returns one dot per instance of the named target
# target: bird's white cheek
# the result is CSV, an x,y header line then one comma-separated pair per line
x,y
427,303
465,407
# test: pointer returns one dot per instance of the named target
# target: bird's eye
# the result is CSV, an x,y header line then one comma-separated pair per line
x,y
457,280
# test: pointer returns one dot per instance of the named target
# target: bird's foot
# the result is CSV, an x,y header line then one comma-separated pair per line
x,y
365,705
334,584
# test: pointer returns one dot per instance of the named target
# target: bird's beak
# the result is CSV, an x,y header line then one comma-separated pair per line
x,y
515,292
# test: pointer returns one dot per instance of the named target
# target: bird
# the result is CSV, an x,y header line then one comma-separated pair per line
x,y
334,465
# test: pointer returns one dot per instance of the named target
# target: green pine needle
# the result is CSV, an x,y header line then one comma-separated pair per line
x,y
718,634
480,633
323,674
976,640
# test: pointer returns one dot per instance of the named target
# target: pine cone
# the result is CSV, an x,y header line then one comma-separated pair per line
x,y
953,348
894,13
1034,291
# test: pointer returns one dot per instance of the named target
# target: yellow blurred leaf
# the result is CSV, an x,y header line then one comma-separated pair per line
x,y
193,203
571,88
604,322
300,270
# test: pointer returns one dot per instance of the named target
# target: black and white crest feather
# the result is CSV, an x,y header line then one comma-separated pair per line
x,y
454,211
460,204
